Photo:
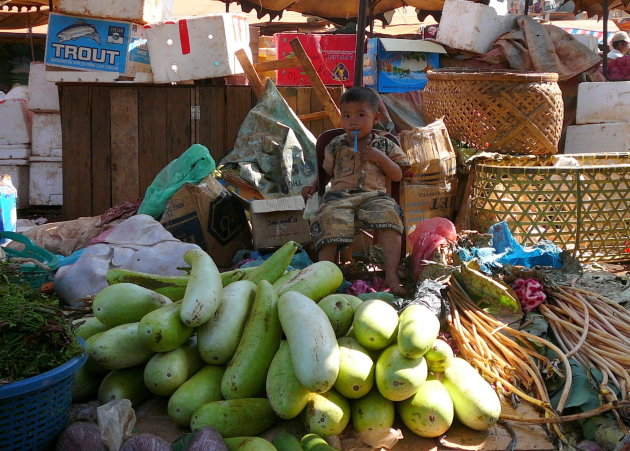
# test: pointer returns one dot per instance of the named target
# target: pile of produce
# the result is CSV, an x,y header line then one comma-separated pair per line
x,y
236,351
35,335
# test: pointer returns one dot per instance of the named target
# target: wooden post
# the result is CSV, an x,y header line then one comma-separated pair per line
x,y
318,85
605,61
254,79
358,52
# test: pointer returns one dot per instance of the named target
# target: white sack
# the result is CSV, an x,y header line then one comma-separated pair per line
x,y
139,243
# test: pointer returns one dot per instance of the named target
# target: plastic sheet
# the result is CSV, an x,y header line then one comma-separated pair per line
x,y
506,250
274,150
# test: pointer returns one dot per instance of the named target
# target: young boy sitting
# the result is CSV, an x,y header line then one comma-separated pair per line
x,y
357,195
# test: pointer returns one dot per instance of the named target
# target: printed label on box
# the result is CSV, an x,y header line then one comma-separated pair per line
x,y
186,228
94,44
332,56
227,218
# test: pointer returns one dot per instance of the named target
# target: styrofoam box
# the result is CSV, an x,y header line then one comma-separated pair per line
x,y
143,11
15,151
18,170
14,126
46,183
603,102
472,26
590,138
46,133
43,94
197,48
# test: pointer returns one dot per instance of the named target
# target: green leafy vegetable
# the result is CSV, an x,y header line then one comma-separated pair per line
x,y
35,335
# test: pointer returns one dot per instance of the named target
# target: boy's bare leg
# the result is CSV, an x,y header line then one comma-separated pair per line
x,y
327,252
390,240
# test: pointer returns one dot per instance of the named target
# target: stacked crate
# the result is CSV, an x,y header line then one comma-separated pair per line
x,y
603,118
15,145
45,184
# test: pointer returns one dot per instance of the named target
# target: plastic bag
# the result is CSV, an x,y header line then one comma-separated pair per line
x,y
116,420
190,167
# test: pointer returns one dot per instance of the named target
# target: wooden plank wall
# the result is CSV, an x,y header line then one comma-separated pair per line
x,y
117,138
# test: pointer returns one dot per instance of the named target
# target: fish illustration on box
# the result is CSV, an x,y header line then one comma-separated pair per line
x,y
80,29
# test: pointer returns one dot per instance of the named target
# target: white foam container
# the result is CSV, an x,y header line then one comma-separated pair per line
x,y
14,125
46,133
197,48
15,151
590,138
46,182
44,95
603,102
142,11
472,27
18,170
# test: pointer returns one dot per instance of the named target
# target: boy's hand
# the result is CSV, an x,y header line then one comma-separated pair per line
x,y
370,153
309,190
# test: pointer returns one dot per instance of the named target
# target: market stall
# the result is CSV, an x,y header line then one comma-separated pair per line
x,y
181,305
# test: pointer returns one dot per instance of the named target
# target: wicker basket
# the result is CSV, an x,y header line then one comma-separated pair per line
x,y
497,111
585,210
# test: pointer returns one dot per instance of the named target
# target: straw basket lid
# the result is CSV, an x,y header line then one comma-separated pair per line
x,y
503,111
469,74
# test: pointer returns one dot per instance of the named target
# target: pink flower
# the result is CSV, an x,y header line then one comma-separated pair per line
x,y
530,293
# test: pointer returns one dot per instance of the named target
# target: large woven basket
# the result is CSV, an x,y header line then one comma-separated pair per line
x,y
585,210
497,111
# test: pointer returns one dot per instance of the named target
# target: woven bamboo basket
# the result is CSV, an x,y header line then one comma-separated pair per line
x,y
497,111
584,210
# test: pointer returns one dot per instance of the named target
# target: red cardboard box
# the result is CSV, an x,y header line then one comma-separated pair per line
x,y
332,56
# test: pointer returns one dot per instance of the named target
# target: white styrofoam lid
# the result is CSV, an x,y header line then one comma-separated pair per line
x,y
411,45
281,204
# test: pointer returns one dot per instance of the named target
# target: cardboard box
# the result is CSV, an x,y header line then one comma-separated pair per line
x,y
141,11
430,152
96,45
424,201
472,27
332,56
276,221
399,65
211,217
197,48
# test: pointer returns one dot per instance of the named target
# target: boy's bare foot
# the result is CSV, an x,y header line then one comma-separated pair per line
x,y
394,285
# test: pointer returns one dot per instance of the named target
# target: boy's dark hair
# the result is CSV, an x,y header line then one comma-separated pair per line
x,y
360,94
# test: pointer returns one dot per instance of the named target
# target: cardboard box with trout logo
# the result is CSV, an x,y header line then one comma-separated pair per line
x,y
94,44
210,216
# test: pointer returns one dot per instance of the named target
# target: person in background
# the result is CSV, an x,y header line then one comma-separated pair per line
x,y
621,45
358,182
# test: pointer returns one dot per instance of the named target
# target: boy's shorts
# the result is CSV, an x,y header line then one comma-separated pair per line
x,y
341,213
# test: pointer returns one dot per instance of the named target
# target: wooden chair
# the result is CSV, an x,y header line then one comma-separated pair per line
x,y
320,145
301,59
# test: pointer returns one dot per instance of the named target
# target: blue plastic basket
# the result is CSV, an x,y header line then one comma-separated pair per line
x,y
34,411
30,273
